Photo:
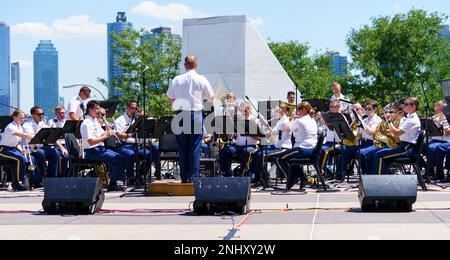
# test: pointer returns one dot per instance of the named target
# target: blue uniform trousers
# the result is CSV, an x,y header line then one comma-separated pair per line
x,y
270,153
381,157
189,144
297,153
20,166
114,160
51,155
245,153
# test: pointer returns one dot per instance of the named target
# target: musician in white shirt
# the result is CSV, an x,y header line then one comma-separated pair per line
x,y
94,137
305,132
283,133
11,149
44,153
408,131
76,105
246,147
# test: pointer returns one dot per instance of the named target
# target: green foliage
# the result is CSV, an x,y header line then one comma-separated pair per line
x,y
312,75
136,51
397,56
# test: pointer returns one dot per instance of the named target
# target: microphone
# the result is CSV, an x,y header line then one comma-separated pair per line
x,y
146,69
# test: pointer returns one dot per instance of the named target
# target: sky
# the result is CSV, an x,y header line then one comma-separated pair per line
x,y
78,28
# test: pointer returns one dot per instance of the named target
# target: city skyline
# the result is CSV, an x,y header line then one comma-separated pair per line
x,y
15,85
46,76
5,69
80,32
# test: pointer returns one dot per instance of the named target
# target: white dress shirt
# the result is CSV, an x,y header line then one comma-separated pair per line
x,y
285,141
9,139
371,123
74,106
31,127
122,124
55,123
91,129
305,132
189,91
411,126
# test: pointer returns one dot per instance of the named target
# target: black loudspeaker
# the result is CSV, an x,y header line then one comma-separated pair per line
x,y
222,195
73,196
388,193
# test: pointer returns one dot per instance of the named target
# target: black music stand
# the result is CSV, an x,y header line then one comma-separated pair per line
x,y
320,105
47,136
110,107
432,129
73,127
4,122
222,128
339,123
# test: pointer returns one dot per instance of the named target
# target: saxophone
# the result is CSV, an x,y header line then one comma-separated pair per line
x,y
383,136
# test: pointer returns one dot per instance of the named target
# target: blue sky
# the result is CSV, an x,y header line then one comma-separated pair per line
x,y
78,28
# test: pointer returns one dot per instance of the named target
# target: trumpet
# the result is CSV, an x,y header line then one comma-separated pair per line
x,y
31,167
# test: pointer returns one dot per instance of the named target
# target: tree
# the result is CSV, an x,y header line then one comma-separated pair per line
x,y
137,50
397,57
312,75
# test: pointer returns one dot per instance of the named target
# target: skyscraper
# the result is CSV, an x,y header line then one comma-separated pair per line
x,y
46,83
115,71
340,64
157,32
5,66
445,32
15,84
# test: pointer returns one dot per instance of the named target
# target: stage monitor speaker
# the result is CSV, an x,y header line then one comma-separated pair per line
x,y
73,196
388,193
222,195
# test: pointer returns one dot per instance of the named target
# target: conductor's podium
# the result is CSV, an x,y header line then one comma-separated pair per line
x,y
170,188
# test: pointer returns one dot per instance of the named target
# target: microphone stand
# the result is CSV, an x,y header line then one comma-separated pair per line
x,y
144,84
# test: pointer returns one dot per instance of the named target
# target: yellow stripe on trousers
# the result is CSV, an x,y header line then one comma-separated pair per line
x,y
380,166
247,164
14,159
283,158
325,157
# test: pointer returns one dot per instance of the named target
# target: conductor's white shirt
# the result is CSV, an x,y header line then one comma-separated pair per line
x,y
189,91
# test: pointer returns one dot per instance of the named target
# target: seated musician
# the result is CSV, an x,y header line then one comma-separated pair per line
x,y
58,122
229,106
304,128
284,136
122,124
437,147
396,113
246,147
93,137
11,149
332,141
368,127
408,132
44,153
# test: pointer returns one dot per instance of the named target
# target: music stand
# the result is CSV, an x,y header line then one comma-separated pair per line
x,y
47,136
4,122
110,107
340,125
320,105
432,129
73,127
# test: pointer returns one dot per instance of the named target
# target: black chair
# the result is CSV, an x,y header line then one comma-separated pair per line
x,y
314,161
413,161
76,162
168,149
6,170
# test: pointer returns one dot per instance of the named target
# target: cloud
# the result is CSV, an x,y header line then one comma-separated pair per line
x,y
25,64
74,26
258,22
172,11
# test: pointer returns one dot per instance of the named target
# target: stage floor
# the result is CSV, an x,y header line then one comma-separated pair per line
x,y
315,216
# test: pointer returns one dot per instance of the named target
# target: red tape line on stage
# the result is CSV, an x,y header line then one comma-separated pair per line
x,y
143,211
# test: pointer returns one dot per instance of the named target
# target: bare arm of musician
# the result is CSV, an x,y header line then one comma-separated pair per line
x,y
24,136
395,131
447,132
124,136
73,116
61,148
101,139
